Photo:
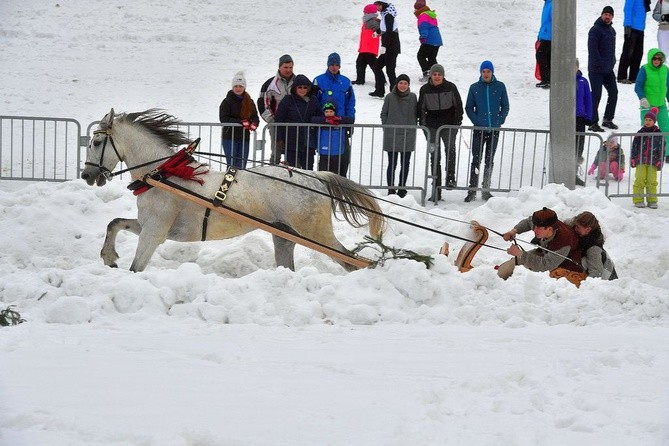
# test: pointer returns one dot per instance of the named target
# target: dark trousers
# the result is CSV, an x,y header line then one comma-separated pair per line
x,y
303,159
631,55
405,160
332,163
608,81
448,138
580,139
483,140
388,60
236,152
361,63
427,56
543,56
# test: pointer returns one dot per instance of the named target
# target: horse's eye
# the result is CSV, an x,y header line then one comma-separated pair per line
x,y
97,143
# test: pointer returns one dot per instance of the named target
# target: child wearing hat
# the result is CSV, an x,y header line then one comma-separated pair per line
x,y
331,139
610,159
646,158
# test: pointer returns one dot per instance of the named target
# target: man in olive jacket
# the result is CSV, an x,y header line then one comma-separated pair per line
x,y
439,103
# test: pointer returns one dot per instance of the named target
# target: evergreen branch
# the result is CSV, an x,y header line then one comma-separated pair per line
x,y
389,252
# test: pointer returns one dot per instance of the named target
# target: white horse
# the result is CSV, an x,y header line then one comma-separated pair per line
x,y
301,203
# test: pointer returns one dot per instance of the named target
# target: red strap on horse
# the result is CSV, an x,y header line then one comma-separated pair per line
x,y
178,166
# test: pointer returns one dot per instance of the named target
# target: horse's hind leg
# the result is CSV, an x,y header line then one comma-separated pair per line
x,y
108,252
284,252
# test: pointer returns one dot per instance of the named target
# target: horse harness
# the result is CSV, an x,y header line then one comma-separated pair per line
x,y
220,195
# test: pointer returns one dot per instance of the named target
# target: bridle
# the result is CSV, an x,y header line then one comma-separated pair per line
x,y
108,174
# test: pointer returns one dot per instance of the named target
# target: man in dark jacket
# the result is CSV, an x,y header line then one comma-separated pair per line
x,y
487,106
439,103
601,60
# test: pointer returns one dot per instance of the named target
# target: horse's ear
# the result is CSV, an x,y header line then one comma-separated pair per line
x,y
108,120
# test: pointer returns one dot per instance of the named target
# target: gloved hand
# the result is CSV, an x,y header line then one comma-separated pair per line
x,y
643,103
633,163
664,17
333,120
592,169
628,31
249,125
422,40
375,34
658,165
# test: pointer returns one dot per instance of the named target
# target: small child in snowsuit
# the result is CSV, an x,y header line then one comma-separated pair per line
x,y
331,139
647,156
610,159
369,43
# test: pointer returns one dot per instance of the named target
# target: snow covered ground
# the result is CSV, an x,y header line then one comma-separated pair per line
x,y
212,345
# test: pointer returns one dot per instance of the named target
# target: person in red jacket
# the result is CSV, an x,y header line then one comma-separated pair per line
x,y
369,43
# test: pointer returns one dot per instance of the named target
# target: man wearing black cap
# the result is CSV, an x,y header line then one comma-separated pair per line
x,y
601,60
562,256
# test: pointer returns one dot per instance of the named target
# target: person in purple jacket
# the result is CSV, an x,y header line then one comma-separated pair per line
x,y
583,115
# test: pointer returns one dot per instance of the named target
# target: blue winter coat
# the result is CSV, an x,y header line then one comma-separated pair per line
x,y
546,30
336,88
487,104
601,47
583,97
635,14
331,139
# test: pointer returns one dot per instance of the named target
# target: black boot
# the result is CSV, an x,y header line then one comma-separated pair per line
x,y
471,196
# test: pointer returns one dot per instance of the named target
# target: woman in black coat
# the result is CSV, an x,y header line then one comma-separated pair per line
x,y
237,108
298,142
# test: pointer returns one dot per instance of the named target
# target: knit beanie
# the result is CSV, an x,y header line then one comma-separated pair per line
x,y
403,77
487,65
436,68
544,218
370,9
239,79
285,59
330,106
652,114
334,59
607,9
419,4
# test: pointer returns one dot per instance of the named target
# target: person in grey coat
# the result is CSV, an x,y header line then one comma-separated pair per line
x,y
400,107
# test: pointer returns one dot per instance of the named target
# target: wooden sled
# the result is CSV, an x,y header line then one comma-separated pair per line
x,y
478,237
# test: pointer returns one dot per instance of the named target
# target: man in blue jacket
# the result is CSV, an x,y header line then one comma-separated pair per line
x,y
487,106
335,88
635,24
544,37
601,60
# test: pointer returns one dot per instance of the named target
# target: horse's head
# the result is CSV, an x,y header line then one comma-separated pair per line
x,y
101,155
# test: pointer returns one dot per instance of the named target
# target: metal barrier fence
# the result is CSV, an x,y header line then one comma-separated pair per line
x,y
34,148
45,149
616,187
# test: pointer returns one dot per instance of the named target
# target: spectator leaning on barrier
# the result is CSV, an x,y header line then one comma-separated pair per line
x,y
334,87
237,108
487,106
399,108
439,103
610,158
275,90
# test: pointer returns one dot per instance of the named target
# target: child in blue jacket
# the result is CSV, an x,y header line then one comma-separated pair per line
x,y
331,140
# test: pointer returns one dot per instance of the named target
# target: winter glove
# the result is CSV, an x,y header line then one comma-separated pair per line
x,y
664,17
592,169
249,125
658,165
628,31
632,163
644,103
422,40
333,120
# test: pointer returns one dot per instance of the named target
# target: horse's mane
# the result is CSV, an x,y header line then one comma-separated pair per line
x,y
159,123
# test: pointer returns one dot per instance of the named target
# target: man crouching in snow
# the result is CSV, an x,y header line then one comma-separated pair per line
x,y
561,256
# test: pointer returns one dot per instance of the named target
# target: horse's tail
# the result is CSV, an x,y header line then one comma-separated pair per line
x,y
354,202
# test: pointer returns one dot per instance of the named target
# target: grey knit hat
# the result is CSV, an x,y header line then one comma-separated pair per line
x,y
436,68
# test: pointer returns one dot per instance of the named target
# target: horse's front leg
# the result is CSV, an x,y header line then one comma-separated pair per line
x,y
108,252
154,232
